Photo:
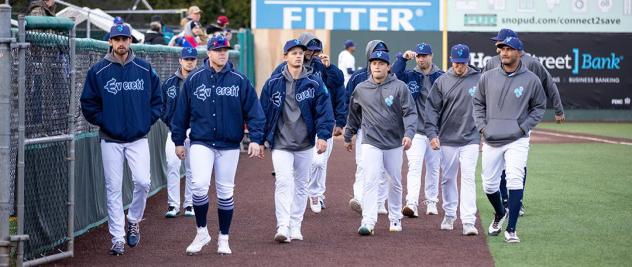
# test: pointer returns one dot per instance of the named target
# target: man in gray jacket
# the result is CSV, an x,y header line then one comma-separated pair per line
x,y
450,126
510,101
384,109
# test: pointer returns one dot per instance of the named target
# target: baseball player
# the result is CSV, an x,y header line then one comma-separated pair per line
x,y
385,109
215,103
451,130
359,76
419,81
298,115
550,89
121,95
170,91
509,102
346,60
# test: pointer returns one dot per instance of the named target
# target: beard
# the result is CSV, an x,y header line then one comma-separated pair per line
x,y
121,51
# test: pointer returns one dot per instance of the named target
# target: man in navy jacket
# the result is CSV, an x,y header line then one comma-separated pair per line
x,y
121,95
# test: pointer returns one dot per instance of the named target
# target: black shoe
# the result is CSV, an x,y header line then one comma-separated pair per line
x,y
133,234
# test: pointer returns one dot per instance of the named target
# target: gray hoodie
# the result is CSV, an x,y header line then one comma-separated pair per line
x,y
305,38
291,127
449,109
535,66
420,102
508,106
384,112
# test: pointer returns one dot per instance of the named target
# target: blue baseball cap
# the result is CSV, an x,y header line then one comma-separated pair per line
x,y
423,49
512,42
460,53
217,42
504,33
381,46
120,29
349,43
314,45
291,44
188,52
380,55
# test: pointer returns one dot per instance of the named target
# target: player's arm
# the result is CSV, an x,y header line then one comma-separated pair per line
x,y
399,67
434,106
253,113
324,116
339,97
353,122
182,115
550,88
91,101
335,77
163,108
410,116
537,106
479,105
156,98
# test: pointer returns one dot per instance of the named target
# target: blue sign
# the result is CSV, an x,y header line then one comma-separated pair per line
x,y
378,15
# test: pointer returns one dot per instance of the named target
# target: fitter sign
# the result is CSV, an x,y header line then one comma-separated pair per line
x,y
379,15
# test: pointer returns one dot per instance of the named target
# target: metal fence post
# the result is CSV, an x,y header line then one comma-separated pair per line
x,y
71,145
21,131
6,62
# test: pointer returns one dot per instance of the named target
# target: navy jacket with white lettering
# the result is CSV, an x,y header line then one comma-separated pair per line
x,y
215,105
171,90
122,99
315,107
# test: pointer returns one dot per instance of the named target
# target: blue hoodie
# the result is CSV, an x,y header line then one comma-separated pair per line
x,y
313,100
215,105
122,99
170,89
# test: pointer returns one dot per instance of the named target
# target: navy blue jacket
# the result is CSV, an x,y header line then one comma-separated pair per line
x,y
335,81
215,105
356,78
407,76
314,103
170,89
122,99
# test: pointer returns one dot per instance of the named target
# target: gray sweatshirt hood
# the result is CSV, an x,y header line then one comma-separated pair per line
x,y
471,70
304,72
389,79
433,70
111,58
306,37
370,46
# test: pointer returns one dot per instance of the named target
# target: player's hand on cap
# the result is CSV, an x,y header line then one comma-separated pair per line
x,y
337,131
409,54
406,142
560,118
435,144
254,150
325,59
180,152
321,145
349,146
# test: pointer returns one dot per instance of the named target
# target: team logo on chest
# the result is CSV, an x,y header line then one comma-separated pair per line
x,y
171,91
389,100
201,92
113,86
276,99
309,93
413,87
232,90
471,91
518,91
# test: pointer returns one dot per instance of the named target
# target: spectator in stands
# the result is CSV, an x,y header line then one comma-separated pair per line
x,y
194,13
154,34
191,36
42,8
220,27
167,33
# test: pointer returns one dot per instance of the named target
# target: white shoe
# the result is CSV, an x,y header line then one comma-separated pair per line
x,y
202,238
448,223
396,226
314,204
366,230
282,235
522,211
172,212
381,208
431,207
469,229
511,237
410,211
188,212
295,233
222,245
496,226
355,205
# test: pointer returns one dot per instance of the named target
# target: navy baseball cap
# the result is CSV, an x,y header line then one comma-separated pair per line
x,y
380,55
291,44
512,42
217,42
120,29
381,46
423,49
188,52
349,43
504,33
314,45
460,53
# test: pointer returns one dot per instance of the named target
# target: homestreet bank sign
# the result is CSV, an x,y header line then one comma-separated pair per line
x,y
378,15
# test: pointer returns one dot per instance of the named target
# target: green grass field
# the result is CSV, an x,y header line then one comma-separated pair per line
x,y
622,130
577,200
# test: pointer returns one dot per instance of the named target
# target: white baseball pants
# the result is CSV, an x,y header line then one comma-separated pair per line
x,y
290,193
420,150
138,159
318,171
358,185
203,160
511,157
464,158
376,162
173,174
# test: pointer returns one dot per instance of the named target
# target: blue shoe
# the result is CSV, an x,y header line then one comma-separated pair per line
x,y
118,248
133,234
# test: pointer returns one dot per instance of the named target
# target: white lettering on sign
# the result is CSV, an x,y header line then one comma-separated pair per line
x,y
379,18
354,17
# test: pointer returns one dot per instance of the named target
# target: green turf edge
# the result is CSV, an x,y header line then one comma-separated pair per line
x,y
619,130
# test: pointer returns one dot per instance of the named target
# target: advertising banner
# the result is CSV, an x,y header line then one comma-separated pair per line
x,y
541,15
592,71
379,15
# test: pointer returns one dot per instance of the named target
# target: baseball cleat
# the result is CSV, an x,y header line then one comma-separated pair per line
x,y
522,211
431,207
381,208
172,212
133,234
314,204
188,212
410,211
365,230
355,205
282,235
469,229
295,233
321,199
497,224
118,248
448,223
511,237
396,226
222,245
202,238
